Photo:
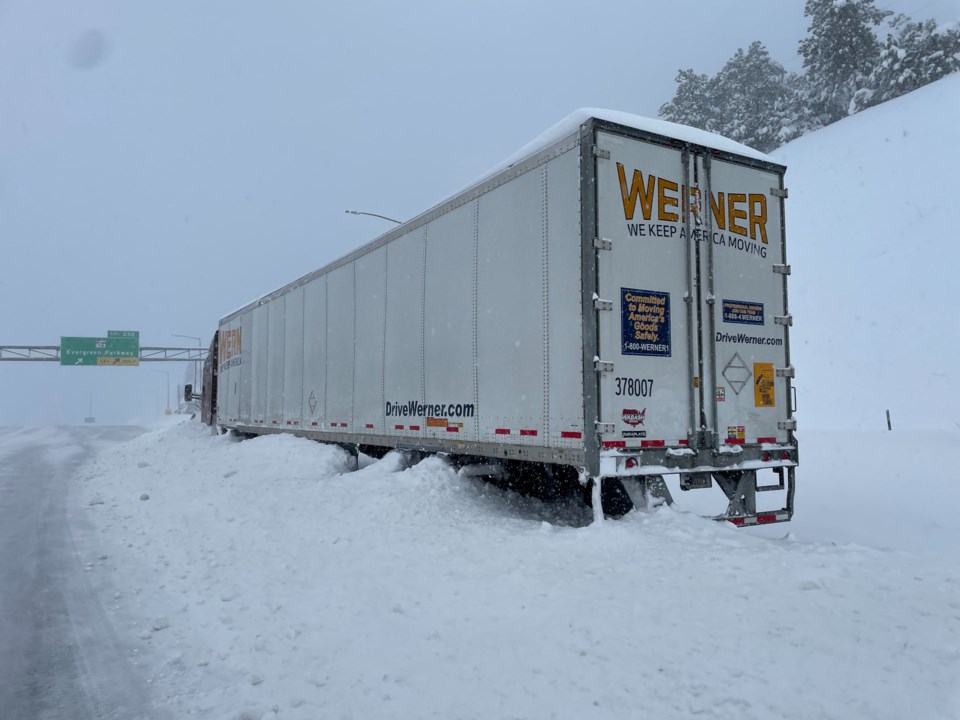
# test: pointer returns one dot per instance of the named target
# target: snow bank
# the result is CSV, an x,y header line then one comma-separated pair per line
x,y
266,580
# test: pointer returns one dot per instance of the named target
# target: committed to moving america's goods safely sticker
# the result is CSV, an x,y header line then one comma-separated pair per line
x,y
645,322
763,392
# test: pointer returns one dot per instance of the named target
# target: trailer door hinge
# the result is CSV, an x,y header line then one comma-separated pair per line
x,y
605,428
782,269
602,366
777,192
601,153
603,244
787,425
787,372
599,304
783,320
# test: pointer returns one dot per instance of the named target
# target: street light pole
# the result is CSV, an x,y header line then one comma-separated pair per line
x,y
164,372
384,217
199,351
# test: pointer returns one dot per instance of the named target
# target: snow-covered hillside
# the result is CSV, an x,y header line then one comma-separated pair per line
x,y
875,261
266,579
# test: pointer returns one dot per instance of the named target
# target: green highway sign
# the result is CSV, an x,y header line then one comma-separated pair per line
x,y
113,350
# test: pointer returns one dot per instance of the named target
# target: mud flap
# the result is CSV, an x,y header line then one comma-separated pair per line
x,y
652,492
614,497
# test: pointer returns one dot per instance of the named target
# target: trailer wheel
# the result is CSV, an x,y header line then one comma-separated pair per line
x,y
613,496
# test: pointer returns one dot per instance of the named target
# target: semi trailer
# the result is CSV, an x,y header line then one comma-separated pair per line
x,y
609,306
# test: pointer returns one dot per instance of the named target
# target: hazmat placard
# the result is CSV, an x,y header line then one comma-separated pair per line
x,y
763,390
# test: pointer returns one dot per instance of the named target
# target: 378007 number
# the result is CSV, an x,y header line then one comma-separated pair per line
x,y
634,387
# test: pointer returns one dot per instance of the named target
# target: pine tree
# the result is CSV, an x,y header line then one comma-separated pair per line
x,y
839,54
691,104
915,54
748,100
751,94
797,118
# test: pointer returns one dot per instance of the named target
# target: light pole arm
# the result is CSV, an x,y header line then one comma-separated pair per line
x,y
384,217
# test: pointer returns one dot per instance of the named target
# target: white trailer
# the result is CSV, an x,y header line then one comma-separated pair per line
x,y
612,304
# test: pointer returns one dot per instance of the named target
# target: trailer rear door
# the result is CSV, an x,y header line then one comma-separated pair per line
x,y
745,336
691,300
646,329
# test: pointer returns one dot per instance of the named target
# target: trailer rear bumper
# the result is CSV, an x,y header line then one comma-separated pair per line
x,y
734,471
758,519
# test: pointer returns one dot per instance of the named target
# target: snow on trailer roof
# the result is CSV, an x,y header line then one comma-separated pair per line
x,y
567,127
572,122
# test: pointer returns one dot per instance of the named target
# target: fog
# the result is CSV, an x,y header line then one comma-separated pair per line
x,y
162,164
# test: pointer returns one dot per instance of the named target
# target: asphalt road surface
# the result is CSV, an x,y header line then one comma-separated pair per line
x,y
59,655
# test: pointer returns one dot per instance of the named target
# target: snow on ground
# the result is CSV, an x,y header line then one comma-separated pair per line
x,y
264,579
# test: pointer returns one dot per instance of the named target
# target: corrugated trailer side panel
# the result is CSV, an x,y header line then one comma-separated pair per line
x,y
229,380
258,360
449,370
562,303
314,352
463,334
275,355
245,371
510,329
340,347
404,328
370,308
293,357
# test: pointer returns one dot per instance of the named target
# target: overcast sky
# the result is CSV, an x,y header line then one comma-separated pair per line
x,y
162,163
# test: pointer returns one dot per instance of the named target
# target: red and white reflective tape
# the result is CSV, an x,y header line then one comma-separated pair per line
x,y
759,519
369,426
571,435
769,440
501,431
644,444
315,423
453,428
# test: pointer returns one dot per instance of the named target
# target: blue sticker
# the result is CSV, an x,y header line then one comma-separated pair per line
x,y
743,312
644,322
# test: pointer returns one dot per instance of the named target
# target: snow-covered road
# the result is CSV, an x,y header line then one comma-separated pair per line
x,y
59,655
262,579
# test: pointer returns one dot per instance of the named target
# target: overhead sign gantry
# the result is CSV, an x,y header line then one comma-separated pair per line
x,y
120,348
